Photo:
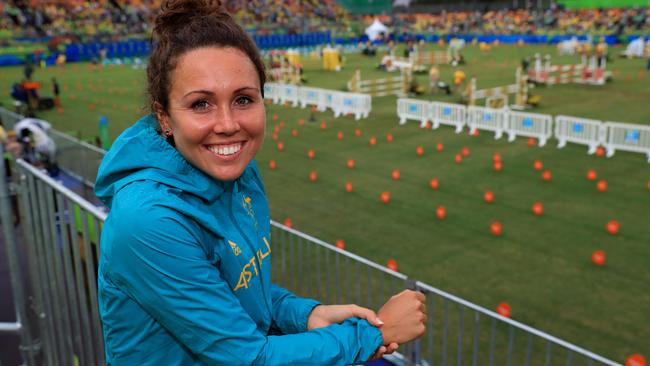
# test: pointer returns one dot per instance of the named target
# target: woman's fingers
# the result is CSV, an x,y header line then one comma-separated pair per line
x,y
420,296
380,352
365,313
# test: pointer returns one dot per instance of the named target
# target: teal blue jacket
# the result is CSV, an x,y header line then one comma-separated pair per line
x,y
184,275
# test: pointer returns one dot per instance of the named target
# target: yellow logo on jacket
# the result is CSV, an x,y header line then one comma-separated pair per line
x,y
248,206
235,248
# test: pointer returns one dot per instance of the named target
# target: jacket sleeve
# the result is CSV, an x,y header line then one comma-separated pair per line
x,y
159,262
290,313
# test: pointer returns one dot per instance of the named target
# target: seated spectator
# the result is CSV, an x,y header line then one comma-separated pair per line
x,y
369,49
37,147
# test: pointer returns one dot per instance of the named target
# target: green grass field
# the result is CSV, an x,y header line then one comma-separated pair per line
x,y
541,266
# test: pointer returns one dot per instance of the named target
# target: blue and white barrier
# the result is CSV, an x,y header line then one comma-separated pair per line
x,y
593,133
539,126
419,110
308,96
340,103
582,131
490,119
627,137
448,114
327,99
357,104
289,94
272,92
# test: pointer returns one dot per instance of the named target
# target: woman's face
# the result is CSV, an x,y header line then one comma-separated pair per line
x,y
216,110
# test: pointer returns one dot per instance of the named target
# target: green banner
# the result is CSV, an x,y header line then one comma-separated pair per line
x,y
367,6
582,4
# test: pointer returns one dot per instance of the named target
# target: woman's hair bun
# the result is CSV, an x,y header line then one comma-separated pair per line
x,y
178,13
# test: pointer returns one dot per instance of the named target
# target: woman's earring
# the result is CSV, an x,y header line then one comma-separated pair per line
x,y
168,132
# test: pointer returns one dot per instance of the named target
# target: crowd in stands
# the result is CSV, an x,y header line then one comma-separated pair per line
x,y
292,16
118,18
76,18
522,21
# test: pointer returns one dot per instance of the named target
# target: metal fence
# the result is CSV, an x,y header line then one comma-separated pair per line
x,y
458,332
9,119
62,231
77,158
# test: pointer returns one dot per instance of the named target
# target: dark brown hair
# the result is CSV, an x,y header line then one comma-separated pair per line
x,y
185,25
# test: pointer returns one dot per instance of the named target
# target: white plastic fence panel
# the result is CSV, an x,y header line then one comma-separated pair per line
x,y
289,93
328,99
582,131
627,137
535,125
483,118
418,110
448,114
308,96
354,103
272,91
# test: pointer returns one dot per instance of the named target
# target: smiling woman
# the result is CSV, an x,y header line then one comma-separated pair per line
x,y
216,111
185,269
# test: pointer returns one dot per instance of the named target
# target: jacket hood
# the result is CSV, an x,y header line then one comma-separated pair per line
x,y
140,153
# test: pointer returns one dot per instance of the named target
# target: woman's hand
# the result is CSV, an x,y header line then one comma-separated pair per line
x,y
404,317
325,315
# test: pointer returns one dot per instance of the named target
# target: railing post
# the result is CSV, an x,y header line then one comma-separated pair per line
x,y
413,350
20,326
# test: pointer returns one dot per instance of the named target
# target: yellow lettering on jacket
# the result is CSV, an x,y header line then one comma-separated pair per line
x,y
261,255
244,278
246,275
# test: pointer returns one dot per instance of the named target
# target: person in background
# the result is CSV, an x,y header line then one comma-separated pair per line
x,y
3,132
28,69
185,266
459,79
38,148
434,76
56,91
